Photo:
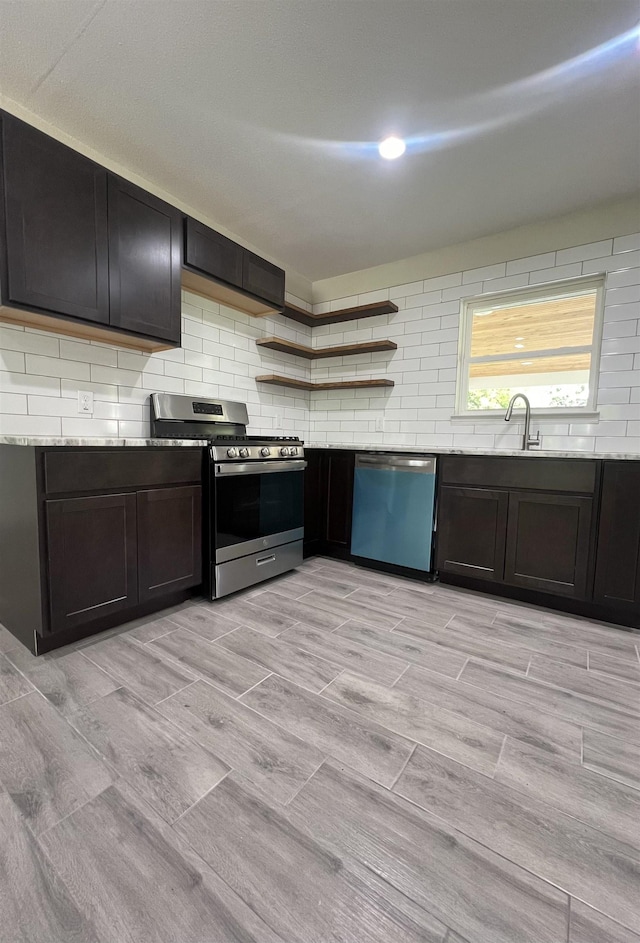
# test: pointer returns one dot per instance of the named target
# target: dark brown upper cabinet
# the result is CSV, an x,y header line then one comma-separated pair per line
x,y
218,268
212,253
56,226
145,260
617,581
87,253
263,279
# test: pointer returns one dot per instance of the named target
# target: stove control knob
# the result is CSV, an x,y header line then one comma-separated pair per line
x,y
232,453
265,452
284,450
244,453
293,450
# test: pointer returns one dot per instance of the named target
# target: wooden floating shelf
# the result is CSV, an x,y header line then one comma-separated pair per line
x,y
319,353
329,385
334,317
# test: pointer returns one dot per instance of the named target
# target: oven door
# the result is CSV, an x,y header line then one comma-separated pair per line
x,y
257,505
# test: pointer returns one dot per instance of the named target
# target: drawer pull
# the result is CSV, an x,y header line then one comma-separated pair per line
x,y
270,559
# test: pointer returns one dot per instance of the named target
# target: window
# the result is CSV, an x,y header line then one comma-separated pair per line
x,y
544,342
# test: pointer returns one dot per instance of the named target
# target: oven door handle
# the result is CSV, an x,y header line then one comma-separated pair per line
x,y
229,469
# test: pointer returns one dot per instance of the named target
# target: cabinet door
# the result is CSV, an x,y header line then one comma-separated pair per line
x,y
548,537
263,279
144,262
169,540
56,225
470,535
315,501
617,580
339,498
212,254
91,550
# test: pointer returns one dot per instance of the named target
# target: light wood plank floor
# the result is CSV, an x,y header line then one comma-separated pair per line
x,y
337,756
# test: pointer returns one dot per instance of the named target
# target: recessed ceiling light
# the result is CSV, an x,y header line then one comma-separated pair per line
x,y
391,148
519,338
526,363
519,346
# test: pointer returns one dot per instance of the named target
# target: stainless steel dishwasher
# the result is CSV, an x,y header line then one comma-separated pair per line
x,y
393,509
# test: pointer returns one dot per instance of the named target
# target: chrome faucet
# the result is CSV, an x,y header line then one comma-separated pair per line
x,y
528,441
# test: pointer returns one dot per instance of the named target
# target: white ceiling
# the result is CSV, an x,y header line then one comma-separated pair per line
x,y
240,109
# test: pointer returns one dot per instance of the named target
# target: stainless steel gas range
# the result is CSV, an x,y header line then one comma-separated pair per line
x,y
253,494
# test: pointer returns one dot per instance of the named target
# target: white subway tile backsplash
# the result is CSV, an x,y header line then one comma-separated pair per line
x,y
626,243
85,352
594,250
616,296
482,274
12,338
90,427
612,263
620,328
12,361
15,403
43,372
531,263
29,425
555,274
440,282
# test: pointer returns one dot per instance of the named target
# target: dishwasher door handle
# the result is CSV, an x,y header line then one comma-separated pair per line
x,y
401,463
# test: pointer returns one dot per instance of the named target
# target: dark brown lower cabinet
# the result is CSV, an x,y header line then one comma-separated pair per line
x,y
328,498
91,548
548,541
471,532
169,540
518,522
617,581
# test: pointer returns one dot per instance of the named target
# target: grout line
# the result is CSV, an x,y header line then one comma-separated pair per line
x,y
242,693
457,677
526,674
588,660
581,746
324,688
404,671
203,796
495,769
69,814
34,690
179,691
569,920
403,768
307,780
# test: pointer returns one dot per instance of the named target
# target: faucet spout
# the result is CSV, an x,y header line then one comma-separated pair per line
x,y
527,439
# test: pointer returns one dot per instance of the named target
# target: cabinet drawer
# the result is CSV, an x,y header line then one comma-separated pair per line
x,y
577,476
95,469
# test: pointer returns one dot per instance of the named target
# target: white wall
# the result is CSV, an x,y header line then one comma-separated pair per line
x,y
41,373
418,410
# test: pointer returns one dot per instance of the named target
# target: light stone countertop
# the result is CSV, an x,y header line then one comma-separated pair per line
x,y
423,450
50,441
56,441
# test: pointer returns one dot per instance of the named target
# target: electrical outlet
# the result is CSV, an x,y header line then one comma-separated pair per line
x,y
379,426
277,420
85,401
